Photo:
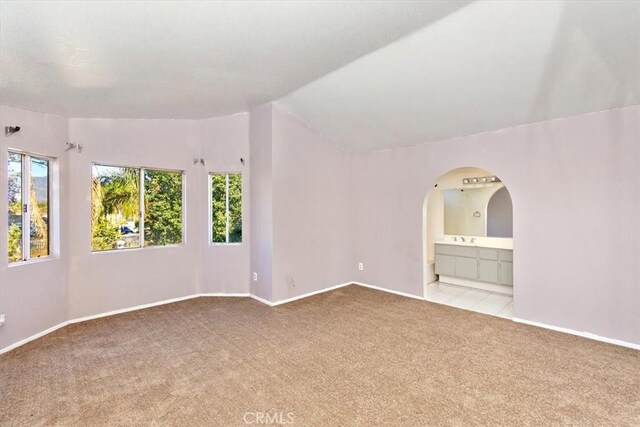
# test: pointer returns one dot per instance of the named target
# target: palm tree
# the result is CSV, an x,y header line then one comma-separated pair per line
x,y
120,193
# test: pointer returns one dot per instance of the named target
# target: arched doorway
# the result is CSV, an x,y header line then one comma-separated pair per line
x,y
468,242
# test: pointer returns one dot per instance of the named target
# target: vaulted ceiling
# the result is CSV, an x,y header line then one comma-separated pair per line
x,y
487,66
175,59
368,75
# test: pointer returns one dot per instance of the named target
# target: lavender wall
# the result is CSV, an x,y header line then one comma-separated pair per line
x,y
312,239
33,295
261,169
314,212
576,204
105,281
225,268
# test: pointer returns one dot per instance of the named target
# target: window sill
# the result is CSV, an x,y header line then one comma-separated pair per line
x,y
32,261
146,248
225,244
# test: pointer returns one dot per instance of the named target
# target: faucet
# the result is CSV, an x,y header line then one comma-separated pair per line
x,y
455,239
473,239
462,238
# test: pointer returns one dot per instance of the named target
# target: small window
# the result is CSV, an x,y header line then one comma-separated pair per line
x,y
123,217
115,208
28,200
226,208
162,208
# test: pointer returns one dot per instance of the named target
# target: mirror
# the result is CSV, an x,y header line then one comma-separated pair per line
x,y
478,211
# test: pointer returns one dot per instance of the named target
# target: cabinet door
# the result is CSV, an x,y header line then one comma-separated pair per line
x,y
506,273
445,264
488,271
467,268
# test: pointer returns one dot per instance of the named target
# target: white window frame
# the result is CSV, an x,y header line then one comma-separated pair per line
x,y
210,209
25,198
141,207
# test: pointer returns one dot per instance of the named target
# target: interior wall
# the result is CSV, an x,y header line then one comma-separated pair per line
x,y
261,167
312,218
316,212
575,242
33,295
104,281
226,267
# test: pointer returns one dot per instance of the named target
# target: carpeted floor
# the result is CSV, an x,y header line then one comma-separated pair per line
x,y
353,356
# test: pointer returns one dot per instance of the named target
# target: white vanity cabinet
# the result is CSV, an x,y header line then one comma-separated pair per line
x,y
488,265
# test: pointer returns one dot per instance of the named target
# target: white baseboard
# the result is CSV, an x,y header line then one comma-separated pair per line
x,y
273,304
134,308
114,312
33,337
310,294
580,334
491,287
218,294
332,288
262,300
377,288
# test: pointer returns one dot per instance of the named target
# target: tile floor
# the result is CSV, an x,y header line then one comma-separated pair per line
x,y
472,299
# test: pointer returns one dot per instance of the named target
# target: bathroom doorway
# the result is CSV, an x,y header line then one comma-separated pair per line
x,y
468,242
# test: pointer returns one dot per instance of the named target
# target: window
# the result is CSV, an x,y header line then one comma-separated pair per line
x,y
28,200
126,215
162,208
226,207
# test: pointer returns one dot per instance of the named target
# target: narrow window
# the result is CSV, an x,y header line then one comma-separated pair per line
x,y
226,207
28,200
127,215
115,208
162,207
15,207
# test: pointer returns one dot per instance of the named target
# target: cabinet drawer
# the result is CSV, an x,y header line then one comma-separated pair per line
x,y
486,253
445,264
506,255
467,268
466,251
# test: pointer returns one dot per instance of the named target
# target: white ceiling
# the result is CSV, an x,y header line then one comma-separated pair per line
x,y
487,66
377,74
185,59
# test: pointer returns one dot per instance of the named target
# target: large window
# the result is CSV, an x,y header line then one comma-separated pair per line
x,y
127,215
28,200
226,207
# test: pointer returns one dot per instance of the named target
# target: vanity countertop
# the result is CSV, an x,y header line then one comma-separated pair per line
x,y
482,244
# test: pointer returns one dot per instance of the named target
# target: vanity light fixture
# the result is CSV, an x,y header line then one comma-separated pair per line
x,y
480,180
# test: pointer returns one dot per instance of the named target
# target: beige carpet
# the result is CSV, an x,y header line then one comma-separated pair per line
x,y
353,356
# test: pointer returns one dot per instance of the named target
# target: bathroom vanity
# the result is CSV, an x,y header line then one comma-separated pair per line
x,y
475,266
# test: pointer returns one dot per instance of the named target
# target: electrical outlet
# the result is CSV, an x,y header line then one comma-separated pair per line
x,y
360,266
255,277
1,319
